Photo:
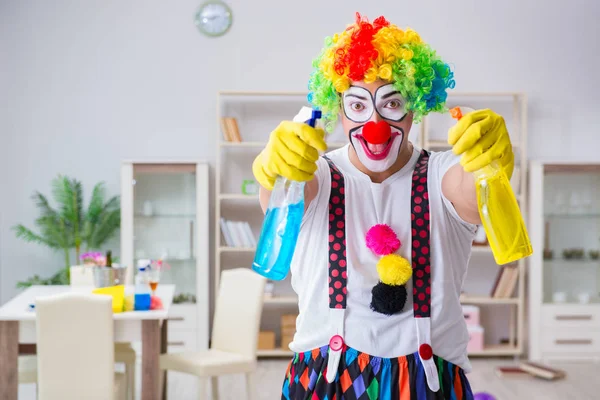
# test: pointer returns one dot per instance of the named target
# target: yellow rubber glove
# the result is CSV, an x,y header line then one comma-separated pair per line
x,y
292,152
481,137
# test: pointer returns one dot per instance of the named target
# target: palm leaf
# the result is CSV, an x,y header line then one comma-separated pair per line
x,y
69,195
44,206
96,203
51,223
94,212
31,237
108,225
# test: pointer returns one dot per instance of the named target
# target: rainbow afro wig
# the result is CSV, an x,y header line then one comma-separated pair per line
x,y
367,52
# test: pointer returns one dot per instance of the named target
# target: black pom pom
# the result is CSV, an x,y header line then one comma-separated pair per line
x,y
388,299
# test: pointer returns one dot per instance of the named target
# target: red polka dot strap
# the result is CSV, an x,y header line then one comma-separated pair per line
x,y
421,260
337,239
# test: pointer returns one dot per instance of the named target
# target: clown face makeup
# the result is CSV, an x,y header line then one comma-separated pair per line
x,y
378,138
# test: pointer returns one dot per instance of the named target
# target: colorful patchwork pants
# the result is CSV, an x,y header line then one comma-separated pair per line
x,y
365,377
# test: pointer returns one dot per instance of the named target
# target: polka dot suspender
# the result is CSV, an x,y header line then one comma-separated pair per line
x,y
420,239
337,239
421,263
337,270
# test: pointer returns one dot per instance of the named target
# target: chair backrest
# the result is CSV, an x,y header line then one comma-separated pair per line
x,y
75,347
81,276
238,310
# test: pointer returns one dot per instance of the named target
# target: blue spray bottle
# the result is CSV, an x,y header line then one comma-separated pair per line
x,y
281,225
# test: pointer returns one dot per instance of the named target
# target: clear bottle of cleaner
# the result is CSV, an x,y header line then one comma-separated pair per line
x,y
499,212
281,225
142,298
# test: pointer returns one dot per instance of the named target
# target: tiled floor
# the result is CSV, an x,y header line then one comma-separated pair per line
x,y
582,383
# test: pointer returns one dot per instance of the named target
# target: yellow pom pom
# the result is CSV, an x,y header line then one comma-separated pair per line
x,y
394,270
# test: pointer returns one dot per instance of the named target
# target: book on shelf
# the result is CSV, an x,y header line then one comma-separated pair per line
x,y
513,372
230,128
237,234
542,371
506,282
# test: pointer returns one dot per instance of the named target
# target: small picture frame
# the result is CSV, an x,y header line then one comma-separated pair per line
x,y
249,187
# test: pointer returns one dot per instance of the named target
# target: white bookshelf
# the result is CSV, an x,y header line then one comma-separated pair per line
x,y
258,113
513,107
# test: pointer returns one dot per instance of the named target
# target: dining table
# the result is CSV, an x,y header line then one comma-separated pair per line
x,y
18,327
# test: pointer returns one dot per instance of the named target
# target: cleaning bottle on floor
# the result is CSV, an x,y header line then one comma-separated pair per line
x,y
281,225
499,212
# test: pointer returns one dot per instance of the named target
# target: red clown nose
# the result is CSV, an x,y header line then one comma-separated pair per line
x,y
377,133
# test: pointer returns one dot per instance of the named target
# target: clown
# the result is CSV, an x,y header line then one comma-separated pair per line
x,y
387,230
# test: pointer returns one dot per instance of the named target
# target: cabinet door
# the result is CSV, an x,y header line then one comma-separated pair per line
x,y
571,265
164,223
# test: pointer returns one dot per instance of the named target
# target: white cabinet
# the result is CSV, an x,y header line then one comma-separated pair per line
x,y
165,216
565,267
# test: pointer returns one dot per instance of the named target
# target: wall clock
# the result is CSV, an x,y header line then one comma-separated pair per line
x,y
213,18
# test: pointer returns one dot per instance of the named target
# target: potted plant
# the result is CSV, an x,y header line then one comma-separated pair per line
x,y
69,227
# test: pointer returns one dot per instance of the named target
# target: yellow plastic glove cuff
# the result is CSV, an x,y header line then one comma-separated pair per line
x,y
265,179
481,137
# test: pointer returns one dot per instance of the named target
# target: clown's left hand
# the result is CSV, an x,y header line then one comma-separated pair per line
x,y
481,137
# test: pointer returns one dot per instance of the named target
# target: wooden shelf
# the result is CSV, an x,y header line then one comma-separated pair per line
x,y
488,300
242,144
436,144
275,353
225,249
497,350
481,249
293,300
238,196
332,145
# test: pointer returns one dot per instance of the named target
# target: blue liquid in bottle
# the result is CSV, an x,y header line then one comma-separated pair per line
x,y
281,226
278,238
141,301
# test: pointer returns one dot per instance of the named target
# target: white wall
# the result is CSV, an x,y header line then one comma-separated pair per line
x,y
84,85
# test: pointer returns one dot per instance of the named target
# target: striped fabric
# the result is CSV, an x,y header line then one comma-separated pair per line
x,y
365,377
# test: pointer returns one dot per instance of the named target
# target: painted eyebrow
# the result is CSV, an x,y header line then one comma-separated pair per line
x,y
390,94
357,96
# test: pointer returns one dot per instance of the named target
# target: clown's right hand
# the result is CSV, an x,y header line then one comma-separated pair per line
x,y
292,152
